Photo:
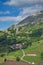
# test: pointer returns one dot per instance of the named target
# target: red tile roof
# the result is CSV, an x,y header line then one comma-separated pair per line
x,y
31,53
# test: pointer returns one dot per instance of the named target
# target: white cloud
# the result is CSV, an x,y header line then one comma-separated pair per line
x,y
13,19
26,11
22,2
21,16
9,18
6,12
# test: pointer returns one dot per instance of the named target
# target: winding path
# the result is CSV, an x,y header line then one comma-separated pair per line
x,y
23,57
23,54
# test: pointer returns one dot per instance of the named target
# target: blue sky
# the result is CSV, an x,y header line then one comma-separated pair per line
x,y
13,11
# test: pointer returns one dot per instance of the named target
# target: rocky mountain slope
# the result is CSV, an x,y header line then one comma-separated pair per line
x,y
33,19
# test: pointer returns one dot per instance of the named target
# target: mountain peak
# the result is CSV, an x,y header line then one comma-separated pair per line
x,y
36,17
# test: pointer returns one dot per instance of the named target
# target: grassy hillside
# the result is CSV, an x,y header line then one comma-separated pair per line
x,y
30,36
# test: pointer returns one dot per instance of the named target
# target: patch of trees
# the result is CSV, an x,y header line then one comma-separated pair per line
x,y
22,34
20,28
26,44
3,37
36,33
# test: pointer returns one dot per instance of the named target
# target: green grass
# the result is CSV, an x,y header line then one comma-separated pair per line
x,y
32,59
15,53
1,60
36,47
11,56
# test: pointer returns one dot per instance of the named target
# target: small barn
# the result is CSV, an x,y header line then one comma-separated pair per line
x,y
31,54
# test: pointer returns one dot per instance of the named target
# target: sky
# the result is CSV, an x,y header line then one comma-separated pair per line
x,y
13,11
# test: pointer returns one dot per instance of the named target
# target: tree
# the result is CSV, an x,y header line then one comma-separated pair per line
x,y
41,56
5,60
2,55
18,59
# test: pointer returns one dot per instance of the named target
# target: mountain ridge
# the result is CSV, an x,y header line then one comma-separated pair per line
x,y
33,19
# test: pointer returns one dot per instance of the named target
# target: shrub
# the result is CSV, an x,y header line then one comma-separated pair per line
x,y
18,59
